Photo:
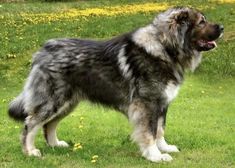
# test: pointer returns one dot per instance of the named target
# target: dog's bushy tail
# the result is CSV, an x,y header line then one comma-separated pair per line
x,y
16,109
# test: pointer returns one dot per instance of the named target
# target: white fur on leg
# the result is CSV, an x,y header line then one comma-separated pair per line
x,y
29,143
142,136
153,154
34,152
52,139
164,147
62,144
161,143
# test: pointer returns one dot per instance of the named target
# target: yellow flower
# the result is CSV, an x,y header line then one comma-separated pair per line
x,y
93,161
95,157
77,146
80,126
83,13
223,1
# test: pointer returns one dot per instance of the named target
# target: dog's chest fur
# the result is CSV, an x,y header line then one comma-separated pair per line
x,y
171,91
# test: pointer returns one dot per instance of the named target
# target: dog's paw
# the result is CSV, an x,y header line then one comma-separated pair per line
x,y
159,158
34,152
164,147
62,144
153,154
166,157
59,144
168,148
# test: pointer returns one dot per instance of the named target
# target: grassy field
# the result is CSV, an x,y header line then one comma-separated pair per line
x,y
201,121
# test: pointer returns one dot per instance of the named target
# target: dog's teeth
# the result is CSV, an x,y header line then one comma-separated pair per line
x,y
214,43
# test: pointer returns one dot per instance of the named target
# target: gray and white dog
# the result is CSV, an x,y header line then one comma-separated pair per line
x,y
138,73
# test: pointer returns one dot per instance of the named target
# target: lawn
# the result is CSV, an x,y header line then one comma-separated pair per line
x,y
201,121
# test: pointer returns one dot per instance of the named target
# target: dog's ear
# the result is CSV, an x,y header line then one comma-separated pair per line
x,y
182,17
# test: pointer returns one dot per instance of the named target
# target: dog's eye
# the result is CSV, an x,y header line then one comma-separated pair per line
x,y
202,22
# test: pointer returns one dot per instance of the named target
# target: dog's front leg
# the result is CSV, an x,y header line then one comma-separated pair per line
x,y
161,143
145,116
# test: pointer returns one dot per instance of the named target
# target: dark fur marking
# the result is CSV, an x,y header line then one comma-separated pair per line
x,y
158,111
45,132
24,133
172,52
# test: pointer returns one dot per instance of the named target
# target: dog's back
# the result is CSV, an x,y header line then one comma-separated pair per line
x,y
71,70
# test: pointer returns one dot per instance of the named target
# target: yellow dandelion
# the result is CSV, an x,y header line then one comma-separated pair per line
x,y
77,146
93,161
95,157
80,126
84,13
223,1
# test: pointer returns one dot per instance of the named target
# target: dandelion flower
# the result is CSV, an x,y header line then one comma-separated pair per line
x,y
95,157
93,161
80,126
77,146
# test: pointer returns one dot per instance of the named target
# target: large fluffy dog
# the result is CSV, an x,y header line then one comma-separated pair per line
x,y
138,73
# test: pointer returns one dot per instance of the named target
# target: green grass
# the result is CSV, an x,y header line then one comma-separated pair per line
x,y
201,121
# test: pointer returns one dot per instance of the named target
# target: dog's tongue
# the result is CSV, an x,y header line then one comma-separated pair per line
x,y
207,44
210,44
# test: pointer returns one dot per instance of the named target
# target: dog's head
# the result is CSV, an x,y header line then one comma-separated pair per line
x,y
188,28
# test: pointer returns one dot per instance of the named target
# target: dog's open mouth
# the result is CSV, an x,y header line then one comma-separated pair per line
x,y
206,45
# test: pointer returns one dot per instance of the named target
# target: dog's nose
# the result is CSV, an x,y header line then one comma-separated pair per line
x,y
221,27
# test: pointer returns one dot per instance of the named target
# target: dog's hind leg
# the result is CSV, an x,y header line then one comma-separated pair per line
x,y
29,132
49,128
141,115
43,115
50,135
